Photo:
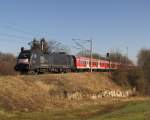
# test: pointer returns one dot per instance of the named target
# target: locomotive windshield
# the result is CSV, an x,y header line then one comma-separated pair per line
x,y
25,55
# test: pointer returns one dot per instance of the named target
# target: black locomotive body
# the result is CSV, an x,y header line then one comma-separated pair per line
x,y
37,61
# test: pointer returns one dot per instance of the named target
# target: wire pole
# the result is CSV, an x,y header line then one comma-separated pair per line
x,y
91,49
91,54
127,55
127,51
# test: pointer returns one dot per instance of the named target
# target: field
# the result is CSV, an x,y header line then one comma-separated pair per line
x,y
34,98
133,110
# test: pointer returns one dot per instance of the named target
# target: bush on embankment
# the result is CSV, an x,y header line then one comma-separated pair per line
x,y
7,63
130,78
144,64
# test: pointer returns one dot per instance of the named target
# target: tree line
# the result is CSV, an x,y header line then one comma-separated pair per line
x,y
115,56
7,63
137,77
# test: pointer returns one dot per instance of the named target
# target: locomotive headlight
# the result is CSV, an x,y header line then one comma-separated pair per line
x,y
23,61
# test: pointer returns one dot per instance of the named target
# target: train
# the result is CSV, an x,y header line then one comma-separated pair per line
x,y
60,62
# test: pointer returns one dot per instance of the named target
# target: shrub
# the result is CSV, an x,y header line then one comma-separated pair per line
x,y
130,78
136,79
144,64
120,77
7,63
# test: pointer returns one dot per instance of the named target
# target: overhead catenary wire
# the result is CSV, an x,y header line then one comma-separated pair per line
x,y
17,28
79,45
8,40
14,36
25,35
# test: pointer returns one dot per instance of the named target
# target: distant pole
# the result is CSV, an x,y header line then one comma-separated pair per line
x,y
108,58
127,54
91,54
127,51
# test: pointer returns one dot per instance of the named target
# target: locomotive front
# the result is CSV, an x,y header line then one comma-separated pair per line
x,y
23,61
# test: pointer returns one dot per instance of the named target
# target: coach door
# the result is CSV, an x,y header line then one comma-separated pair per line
x,y
87,64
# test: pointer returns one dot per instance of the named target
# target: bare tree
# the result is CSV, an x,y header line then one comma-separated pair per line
x,y
55,46
118,57
144,58
86,53
48,46
35,45
144,63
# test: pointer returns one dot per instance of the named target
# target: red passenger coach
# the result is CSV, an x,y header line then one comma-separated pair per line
x,y
95,63
104,64
83,63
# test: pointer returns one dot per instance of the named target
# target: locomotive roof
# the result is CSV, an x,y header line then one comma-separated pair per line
x,y
26,51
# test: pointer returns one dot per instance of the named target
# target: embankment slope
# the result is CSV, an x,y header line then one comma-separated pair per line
x,y
36,92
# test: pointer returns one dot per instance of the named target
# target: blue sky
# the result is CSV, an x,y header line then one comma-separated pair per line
x,y
112,24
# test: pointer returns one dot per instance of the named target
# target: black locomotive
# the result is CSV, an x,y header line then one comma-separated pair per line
x,y
38,62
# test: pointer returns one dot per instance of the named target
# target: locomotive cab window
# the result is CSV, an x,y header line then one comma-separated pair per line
x,y
24,55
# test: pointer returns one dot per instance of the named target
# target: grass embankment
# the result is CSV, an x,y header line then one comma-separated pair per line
x,y
31,98
133,110
36,92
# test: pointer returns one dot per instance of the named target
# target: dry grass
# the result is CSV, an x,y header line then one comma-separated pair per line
x,y
18,94
35,92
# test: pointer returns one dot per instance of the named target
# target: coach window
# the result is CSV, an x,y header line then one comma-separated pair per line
x,y
83,62
96,63
103,64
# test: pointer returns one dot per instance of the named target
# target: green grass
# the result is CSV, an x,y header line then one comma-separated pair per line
x,y
139,110
135,110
